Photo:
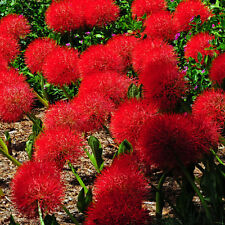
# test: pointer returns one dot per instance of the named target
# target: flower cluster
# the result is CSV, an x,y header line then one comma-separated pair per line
x,y
69,15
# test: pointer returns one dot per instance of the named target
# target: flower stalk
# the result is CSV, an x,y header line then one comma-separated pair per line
x,y
4,151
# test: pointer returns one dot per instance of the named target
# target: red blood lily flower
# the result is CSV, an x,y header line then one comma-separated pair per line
x,y
15,26
118,194
217,70
35,183
58,145
141,7
186,11
127,122
36,53
199,43
60,66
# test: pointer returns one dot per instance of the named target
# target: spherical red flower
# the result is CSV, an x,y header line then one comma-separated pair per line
x,y
211,104
35,183
123,45
9,77
61,115
110,84
168,138
127,121
58,145
186,11
140,7
36,53
163,84
101,12
3,64
65,15
93,110
118,193
15,100
15,26
9,47
160,25
217,71
100,58
143,52
199,43
61,66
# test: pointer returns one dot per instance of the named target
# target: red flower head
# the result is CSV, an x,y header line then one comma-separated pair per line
x,y
61,66
200,43
141,7
167,138
15,26
63,16
92,110
160,25
100,58
101,12
123,45
9,77
63,115
15,100
217,71
35,183
127,121
110,84
118,193
211,104
3,64
36,53
9,47
58,145
165,87
143,52
186,11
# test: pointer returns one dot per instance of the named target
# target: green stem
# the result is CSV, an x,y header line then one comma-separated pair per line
x,y
217,157
43,101
6,154
3,146
195,188
169,202
93,160
65,92
40,215
78,178
70,215
33,118
159,199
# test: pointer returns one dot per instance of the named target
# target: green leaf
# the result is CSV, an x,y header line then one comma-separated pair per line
x,y
124,148
84,200
50,220
12,221
132,91
199,57
96,150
